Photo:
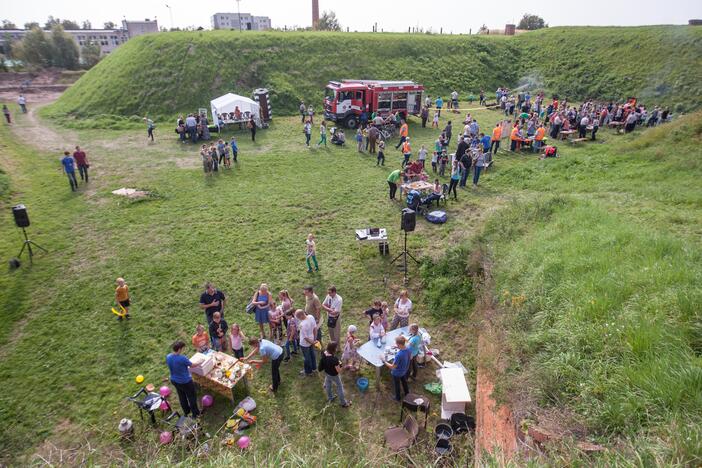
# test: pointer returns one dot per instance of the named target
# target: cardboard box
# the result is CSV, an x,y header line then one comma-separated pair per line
x,y
206,366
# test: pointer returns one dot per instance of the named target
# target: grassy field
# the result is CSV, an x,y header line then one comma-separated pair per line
x,y
166,74
596,263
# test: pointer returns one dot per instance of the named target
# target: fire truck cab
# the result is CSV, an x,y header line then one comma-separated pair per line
x,y
346,100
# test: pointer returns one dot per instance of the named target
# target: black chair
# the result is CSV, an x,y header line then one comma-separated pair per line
x,y
414,402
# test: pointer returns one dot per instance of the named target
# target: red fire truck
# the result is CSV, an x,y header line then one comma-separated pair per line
x,y
344,101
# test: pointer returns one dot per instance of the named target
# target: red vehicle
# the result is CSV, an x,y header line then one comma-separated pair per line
x,y
345,101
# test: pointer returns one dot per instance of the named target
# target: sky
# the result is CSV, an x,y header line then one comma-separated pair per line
x,y
451,16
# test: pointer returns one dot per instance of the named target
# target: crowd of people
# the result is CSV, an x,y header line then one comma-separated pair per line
x,y
286,330
219,154
196,127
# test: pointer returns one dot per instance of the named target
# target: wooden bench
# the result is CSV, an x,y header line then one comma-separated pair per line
x,y
577,140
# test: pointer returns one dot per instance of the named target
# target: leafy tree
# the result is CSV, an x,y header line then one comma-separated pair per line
x,y
51,22
34,49
7,24
31,25
66,24
86,25
109,25
6,48
328,22
531,22
69,24
65,49
90,54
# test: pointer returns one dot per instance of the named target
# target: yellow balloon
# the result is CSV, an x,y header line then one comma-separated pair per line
x,y
139,378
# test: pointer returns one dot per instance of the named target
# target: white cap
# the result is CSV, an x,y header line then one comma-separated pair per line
x,y
352,329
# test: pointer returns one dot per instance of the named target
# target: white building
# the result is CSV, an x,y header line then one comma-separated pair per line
x,y
107,39
243,21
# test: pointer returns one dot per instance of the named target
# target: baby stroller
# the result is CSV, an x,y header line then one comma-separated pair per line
x,y
149,401
417,203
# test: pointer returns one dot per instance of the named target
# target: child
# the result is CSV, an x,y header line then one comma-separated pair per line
x,y
415,341
381,153
218,332
275,322
422,155
235,149
442,163
201,340
386,310
434,160
311,253
374,310
227,158
290,335
377,331
220,151
435,122
329,363
236,339
122,297
215,159
350,356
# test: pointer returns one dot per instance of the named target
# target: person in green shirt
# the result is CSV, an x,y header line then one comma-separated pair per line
x,y
393,178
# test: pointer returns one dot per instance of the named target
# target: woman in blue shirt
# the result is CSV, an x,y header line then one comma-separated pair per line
x,y
400,367
269,351
180,378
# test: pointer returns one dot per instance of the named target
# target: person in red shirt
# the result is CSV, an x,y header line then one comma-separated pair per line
x,y
82,162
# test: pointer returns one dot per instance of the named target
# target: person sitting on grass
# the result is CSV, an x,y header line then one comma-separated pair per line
x,y
549,152
218,332
338,137
201,340
269,352
331,366
236,340
399,367
122,297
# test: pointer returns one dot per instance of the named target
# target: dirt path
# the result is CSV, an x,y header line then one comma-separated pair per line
x,y
496,432
32,131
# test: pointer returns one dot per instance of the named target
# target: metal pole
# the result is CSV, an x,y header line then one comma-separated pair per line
x,y
170,12
238,12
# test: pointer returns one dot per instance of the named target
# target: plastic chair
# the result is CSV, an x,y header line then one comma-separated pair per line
x,y
400,438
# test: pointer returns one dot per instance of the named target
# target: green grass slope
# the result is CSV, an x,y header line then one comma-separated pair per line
x,y
165,74
599,286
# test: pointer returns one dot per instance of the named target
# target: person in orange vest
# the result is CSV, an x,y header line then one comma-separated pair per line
x,y
496,135
514,139
406,151
539,137
404,131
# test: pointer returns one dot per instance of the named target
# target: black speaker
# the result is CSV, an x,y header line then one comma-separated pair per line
x,y
21,216
409,219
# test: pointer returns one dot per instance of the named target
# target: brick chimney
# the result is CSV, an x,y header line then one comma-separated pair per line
x,y
315,14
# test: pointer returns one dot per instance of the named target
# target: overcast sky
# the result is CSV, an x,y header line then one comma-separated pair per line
x,y
451,15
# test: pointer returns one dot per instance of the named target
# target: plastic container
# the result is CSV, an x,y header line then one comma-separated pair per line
x,y
443,447
362,384
443,431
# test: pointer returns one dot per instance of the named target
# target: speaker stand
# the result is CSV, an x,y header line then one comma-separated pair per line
x,y
28,245
404,254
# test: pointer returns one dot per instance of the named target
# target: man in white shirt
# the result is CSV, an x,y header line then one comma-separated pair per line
x,y
306,329
332,304
22,101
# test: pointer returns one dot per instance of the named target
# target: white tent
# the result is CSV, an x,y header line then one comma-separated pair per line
x,y
229,102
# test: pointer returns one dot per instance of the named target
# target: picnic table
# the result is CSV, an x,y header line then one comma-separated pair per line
x,y
211,375
374,355
616,124
565,134
421,186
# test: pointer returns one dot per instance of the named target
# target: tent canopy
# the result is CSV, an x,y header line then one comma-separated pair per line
x,y
229,102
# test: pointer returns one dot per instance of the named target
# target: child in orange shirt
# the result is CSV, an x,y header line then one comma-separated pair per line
x,y
201,339
122,296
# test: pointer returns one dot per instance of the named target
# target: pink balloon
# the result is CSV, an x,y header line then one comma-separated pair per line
x,y
164,406
207,401
164,391
166,437
243,442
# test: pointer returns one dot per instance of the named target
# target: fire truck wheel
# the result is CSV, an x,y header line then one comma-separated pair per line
x,y
351,121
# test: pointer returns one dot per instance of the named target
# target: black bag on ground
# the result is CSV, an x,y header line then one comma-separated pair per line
x,y
461,423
